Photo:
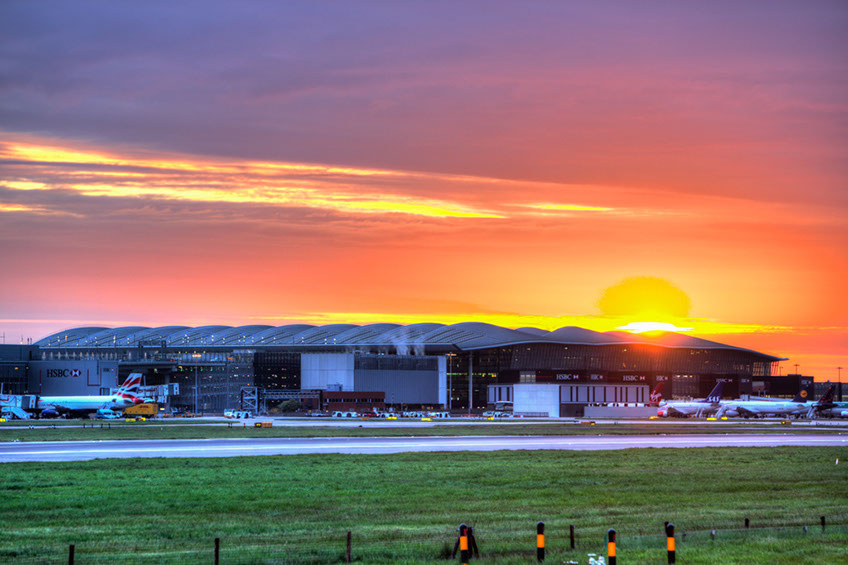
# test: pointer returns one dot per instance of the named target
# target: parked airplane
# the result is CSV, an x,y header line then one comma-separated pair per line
x,y
692,407
52,406
828,408
798,406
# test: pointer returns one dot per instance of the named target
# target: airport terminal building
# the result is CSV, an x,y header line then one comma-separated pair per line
x,y
411,366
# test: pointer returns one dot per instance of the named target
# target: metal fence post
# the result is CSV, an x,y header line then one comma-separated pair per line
x,y
572,536
217,549
347,551
71,555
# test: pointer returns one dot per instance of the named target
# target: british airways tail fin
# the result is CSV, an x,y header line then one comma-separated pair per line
x,y
715,396
131,384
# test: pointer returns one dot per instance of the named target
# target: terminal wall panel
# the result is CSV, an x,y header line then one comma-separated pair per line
x,y
443,381
327,371
88,377
403,386
536,399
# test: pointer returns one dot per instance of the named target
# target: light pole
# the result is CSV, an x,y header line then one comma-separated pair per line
x,y
796,368
839,374
450,385
196,361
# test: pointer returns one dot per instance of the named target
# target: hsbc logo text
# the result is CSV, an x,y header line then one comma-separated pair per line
x,y
56,373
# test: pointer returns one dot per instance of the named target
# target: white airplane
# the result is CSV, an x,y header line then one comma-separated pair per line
x,y
124,397
798,406
692,407
832,409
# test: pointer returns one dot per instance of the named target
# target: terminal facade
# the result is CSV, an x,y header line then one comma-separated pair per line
x,y
417,366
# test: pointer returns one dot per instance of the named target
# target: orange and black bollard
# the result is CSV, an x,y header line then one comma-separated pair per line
x,y
540,541
463,544
611,547
669,534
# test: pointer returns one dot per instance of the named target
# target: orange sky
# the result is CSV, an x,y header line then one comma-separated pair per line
x,y
403,164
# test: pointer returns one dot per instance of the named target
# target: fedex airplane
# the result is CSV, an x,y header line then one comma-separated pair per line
x,y
692,407
798,406
124,397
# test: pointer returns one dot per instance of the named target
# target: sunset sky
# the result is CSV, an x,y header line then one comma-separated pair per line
x,y
521,163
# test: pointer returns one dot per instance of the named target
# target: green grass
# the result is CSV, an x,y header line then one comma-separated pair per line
x,y
158,430
405,508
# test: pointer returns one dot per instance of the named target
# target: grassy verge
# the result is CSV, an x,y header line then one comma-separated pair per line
x,y
405,508
155,430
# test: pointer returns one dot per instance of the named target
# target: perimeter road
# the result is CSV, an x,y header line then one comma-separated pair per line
x,y
237,447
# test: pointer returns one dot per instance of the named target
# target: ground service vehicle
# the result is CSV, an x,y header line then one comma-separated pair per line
x,y
146,410
106,414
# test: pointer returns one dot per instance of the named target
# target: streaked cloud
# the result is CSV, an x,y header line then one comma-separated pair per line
x,y
275,184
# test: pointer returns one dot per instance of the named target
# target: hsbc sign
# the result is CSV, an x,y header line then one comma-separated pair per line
x,y
61,373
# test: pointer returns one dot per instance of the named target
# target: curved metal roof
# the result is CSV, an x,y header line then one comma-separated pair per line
x,y
462,336
573,334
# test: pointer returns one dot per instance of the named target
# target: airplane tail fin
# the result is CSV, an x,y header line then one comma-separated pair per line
x,y
715,396
827,397
657,393
802,396
131,385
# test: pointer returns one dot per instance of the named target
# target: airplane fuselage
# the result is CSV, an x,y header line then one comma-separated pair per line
x,y
763,408
687,408
84,403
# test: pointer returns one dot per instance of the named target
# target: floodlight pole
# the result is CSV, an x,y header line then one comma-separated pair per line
x,y
450,385
196,361
470,380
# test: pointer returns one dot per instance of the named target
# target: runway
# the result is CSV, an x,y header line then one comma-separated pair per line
x,y
82,451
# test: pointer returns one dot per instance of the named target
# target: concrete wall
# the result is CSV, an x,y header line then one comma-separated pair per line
x,y
620,412
536,398
326,371
72,378
604,394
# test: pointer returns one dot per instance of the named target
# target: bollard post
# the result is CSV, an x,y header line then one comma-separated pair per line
x,y
805,530
822,521
683,536
217,549
712,534
540,541
572,536
747,523
347,551
669,534
611,547
463,544
71,555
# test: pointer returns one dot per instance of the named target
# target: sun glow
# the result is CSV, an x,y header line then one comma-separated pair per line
x,y
642,327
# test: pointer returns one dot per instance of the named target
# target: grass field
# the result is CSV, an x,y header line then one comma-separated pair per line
x,y
156,429
405,508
